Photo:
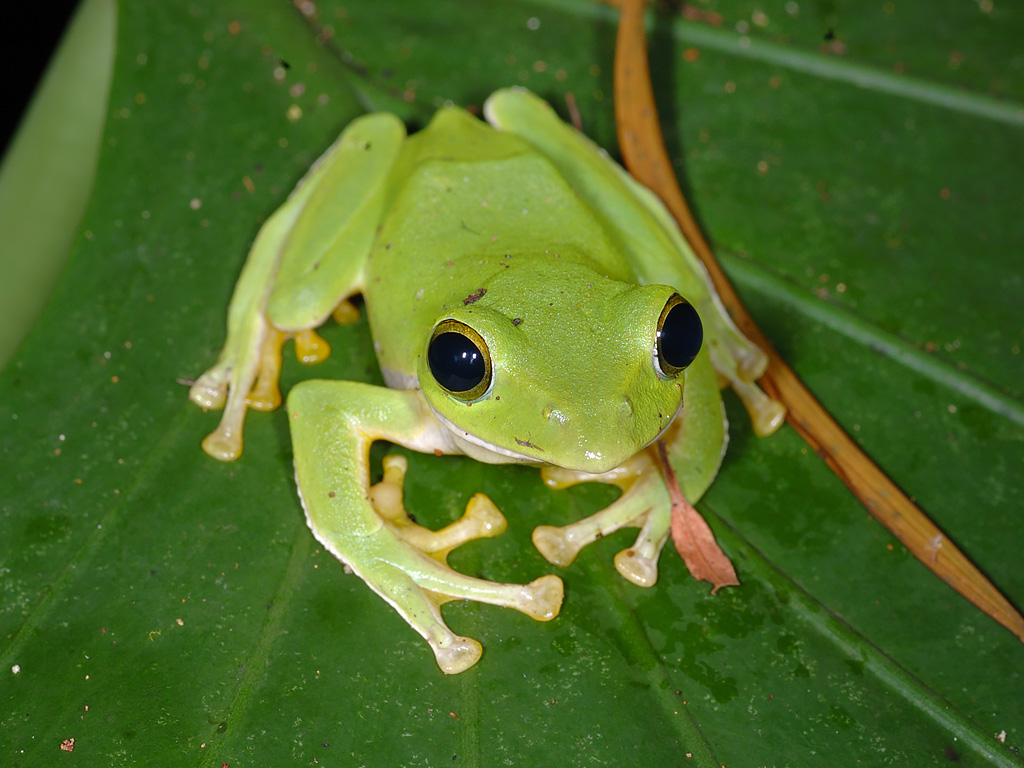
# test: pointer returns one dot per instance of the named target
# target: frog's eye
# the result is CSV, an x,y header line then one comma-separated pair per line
x,y
679,336
459,360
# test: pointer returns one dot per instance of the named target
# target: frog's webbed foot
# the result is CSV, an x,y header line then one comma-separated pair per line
x,y
643,504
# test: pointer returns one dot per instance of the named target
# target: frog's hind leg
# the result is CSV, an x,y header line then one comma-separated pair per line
x,y
252,344
645,232
305,263
323,257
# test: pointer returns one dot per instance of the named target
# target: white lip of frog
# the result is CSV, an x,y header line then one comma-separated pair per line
x,y
487,452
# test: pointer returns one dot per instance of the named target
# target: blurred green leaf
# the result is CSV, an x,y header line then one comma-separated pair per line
x,y
161,608
47,173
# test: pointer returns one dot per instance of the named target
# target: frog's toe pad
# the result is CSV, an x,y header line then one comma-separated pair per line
x,y
486,519
265,396
311,347
752,364
457,656
637,568
557,547
482,520
345,313
770,418
386,496
223,444
766,414
541,599
210,389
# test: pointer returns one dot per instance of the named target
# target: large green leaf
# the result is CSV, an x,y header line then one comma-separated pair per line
x,y
164,609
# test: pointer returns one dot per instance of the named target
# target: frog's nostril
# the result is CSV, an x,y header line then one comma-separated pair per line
x,y
626,409
553,414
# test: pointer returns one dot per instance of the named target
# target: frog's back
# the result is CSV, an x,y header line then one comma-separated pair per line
x,y
472,201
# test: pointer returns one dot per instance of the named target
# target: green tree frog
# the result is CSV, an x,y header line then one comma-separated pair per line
x,y
529,303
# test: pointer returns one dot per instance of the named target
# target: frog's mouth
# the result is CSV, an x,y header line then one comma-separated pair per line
x,y
668,424
484,451
481,450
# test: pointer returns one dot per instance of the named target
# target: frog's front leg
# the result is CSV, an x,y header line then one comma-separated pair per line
x,y
695,444
481,520
333,425
644,504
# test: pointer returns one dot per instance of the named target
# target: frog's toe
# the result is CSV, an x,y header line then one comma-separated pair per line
x,y
541,599
418,592
481,520
345,313
210,389
458,656
266,394
560,546
386,496
559,478
311,347
637,567
641,505
485,517
557,545
766,414
752,365
223,444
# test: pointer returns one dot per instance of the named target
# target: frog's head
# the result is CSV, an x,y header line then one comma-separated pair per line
x,y
559,365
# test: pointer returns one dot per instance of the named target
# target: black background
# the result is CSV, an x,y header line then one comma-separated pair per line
x,y
28,37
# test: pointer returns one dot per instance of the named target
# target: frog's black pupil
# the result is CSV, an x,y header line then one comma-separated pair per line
x,y
681,335
456,362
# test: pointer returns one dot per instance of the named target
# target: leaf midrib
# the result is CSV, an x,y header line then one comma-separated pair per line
x,y
763,282
825,67
854,645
